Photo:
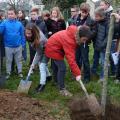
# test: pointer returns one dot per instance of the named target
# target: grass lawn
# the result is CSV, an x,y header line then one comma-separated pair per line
x,y
51,93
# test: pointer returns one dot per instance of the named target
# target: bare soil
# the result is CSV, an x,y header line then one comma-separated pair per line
x,y
14,106
79,110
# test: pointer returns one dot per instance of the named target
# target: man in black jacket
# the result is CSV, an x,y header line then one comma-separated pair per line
x,y
82,53
100,43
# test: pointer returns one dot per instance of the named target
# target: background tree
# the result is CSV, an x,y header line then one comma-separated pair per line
x,y
14,3
63,4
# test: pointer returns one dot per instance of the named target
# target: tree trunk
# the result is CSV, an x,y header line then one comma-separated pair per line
x,y
104,89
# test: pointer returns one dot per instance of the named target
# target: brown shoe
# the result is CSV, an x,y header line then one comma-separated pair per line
x,y
65,92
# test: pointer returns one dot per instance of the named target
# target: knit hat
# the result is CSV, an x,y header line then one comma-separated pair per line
x,y
100,11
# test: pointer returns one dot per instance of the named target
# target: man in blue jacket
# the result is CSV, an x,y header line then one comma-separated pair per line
x,y
14,40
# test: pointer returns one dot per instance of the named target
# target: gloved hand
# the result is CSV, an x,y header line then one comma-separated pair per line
x,y
78,78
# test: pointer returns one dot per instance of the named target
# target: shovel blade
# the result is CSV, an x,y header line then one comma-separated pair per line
x,y
2,81
94,106
24,86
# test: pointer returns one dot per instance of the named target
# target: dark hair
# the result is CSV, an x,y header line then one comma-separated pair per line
x,y
46,13
85,7
12,9
76,7
107,2
35,34
35,10
23,13
83,31
100,11
1,15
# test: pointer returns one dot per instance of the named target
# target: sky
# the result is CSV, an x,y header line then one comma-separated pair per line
x,y
3,0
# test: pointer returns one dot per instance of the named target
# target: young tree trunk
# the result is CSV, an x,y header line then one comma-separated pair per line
x,y
104,89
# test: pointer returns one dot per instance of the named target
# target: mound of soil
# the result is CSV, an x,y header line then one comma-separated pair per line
x,y
18,107
79,110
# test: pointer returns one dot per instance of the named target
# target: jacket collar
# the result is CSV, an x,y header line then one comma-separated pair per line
x,y
12,20
109,9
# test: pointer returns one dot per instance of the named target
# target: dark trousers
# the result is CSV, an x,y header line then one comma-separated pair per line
x,y
96,57
32,54
2,50
82,58
24,53
112,65
59,70
118,69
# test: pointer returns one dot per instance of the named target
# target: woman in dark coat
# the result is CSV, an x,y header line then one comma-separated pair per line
x,y
21,18
55,22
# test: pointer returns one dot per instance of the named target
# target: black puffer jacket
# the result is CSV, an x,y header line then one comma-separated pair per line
x,y
89,22
116,31
41,24
55,26
101,38
23,21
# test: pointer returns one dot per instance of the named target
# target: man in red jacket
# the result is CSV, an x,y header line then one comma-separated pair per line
x,y
64,43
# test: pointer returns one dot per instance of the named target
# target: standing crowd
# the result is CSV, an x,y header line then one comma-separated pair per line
x,y
50,40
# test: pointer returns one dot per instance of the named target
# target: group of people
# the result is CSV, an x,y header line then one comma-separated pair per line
x,y
50,40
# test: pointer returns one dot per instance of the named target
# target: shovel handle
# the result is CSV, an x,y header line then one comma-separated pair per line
x,y
83,88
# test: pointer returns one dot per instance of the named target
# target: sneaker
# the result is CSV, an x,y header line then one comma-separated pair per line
x,y
20,75
48,78
86,81
65,92
8,76
112,75
117,81
40,88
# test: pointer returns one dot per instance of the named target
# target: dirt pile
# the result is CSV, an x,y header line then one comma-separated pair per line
x,y
17,107
79,110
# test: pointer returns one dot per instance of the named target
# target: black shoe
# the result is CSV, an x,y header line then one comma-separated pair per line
x,y
86,81
40,88
48,78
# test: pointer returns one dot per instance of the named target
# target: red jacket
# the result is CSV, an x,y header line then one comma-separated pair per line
x,y
62,44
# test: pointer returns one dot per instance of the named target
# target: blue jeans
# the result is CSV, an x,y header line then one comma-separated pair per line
x,y
13,53
44,72
98,55
59,70
102,61
118,69
82,58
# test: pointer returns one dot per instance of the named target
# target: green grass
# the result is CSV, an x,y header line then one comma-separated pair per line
x,y
51,93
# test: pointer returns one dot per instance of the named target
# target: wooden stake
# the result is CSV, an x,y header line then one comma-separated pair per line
x,y
104,89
